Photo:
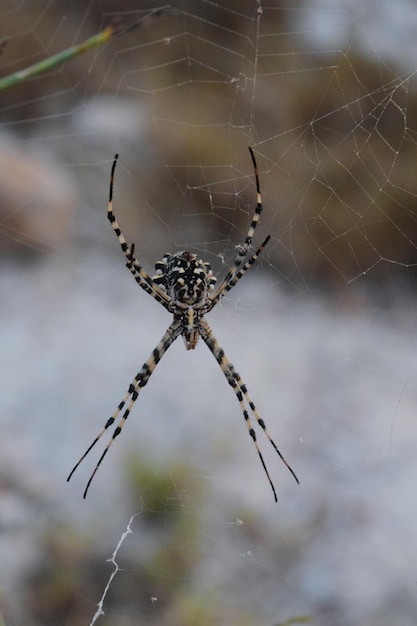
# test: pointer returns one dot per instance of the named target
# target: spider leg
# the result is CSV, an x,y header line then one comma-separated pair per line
x,y
131,265
142,278
248,240
140,380
238,275
242,395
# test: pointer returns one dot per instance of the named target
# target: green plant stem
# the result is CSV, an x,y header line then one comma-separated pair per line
x,y
74,51
57,59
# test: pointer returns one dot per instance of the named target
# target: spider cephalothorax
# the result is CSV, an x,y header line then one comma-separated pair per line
x,y
183,285
184,277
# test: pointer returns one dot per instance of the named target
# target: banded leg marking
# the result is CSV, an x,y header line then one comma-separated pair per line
x,y
242,395
238,275
248,240
140,380
141,276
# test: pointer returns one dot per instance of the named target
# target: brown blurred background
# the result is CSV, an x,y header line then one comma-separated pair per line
x,y
334,130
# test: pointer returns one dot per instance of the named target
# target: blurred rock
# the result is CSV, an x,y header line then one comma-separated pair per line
x,y
37,201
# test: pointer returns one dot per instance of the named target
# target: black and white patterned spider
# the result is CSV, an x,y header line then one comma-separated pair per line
x,y
184,285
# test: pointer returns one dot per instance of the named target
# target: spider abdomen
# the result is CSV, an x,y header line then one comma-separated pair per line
x,y
186,278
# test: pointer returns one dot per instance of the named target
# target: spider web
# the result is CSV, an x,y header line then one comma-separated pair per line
x,y
180,526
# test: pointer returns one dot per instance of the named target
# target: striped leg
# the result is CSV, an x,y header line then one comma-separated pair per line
x,y
238,275
130,398
248,240
132,265
142,278
242,394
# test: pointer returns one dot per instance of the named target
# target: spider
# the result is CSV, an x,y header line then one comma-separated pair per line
x,y
184,286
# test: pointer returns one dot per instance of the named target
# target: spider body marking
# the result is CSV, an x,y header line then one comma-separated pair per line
x,y
184,285
187,280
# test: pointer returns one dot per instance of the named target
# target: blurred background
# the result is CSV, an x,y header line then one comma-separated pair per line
x,y
322,329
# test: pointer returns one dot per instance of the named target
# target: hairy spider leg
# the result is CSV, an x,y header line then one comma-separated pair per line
x,y
238,275
140,380
242,395
247,265
243,249
131,263
142,278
